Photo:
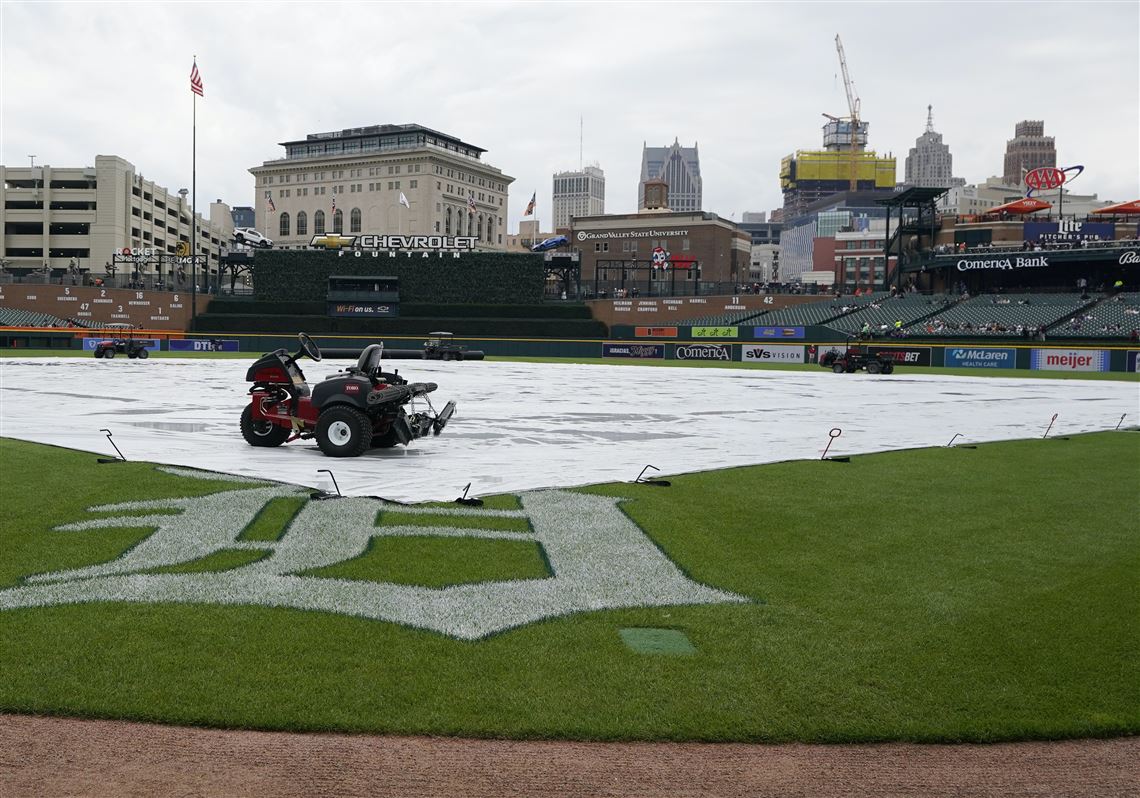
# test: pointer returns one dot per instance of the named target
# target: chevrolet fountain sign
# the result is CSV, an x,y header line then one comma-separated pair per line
x,y
1036,262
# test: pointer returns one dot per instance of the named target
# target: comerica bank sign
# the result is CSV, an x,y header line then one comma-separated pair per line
x,y
1003,263
586,235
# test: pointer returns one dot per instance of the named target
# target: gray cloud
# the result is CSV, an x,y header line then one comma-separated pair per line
x,y
748,82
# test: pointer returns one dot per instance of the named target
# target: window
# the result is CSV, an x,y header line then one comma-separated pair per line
x,y
354,221
319,223
447,222
413,184
338,222
302,223
601,246
284,229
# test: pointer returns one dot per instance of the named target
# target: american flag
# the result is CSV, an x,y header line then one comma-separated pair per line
x,y
334,201
471,204
530,205
196,80
269,201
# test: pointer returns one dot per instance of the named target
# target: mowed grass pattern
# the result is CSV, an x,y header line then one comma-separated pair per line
x,y
933,595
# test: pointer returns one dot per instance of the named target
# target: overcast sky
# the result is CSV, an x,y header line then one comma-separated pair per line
x,y
746,81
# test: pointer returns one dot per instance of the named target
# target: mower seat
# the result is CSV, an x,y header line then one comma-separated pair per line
x,y
369,362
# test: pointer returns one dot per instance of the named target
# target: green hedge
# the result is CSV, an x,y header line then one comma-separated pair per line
x,y
496,278
492,328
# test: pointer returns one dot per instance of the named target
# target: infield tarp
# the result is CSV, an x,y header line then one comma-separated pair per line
x,y
521,426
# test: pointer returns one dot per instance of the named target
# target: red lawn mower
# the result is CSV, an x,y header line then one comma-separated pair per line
x,y
348,412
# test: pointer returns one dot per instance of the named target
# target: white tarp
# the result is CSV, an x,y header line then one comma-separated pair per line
x,y
521,426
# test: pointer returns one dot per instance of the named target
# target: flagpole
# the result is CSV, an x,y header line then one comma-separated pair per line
x,y
194,208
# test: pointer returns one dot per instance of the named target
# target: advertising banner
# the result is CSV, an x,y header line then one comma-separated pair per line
x,y
715,332
1069,232
1133,361
771,353
370,309
907,356
1069,360
634,350
979,358
208,345
777,332
152,344
702,352
655,332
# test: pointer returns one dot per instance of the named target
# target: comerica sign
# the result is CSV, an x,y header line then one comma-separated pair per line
x,y
1003,263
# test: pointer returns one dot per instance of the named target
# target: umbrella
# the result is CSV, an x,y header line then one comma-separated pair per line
x,y
1020,206
1120,208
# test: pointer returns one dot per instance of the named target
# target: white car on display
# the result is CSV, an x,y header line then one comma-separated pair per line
x,y
252,238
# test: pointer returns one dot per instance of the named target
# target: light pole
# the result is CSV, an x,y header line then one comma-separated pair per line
x,y
182,192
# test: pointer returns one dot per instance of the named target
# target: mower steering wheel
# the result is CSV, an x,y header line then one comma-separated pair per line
x,y
309,347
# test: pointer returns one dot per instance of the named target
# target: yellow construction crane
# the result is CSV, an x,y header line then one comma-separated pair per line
x,y
855,144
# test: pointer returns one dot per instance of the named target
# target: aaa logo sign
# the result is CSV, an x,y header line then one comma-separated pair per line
x,y
600,560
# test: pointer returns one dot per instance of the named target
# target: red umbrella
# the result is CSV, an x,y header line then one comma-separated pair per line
x,y
1021,206
1120,208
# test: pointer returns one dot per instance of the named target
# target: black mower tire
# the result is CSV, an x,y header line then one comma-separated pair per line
x,y
144,354
874,367
99,354
888,368
261,433
838,367
108,353
344,431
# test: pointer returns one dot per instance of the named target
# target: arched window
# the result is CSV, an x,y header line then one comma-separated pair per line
x,y
319,223
284,224
354,220
302,223
338,222
490,228
470,222
447,223
480,228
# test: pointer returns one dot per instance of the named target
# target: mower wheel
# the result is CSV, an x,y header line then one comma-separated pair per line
x,y
144,354
838,367
110,352
344,431
99,353
873,367
261,433
888,368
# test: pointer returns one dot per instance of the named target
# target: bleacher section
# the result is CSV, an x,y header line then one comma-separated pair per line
x,y
15,317
882,314
818,312
730,319
1007,315
1111,317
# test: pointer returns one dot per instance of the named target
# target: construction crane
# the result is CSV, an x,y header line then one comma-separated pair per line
x,y
855,144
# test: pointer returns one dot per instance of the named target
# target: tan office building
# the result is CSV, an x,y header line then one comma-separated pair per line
x,y
383,179
53,214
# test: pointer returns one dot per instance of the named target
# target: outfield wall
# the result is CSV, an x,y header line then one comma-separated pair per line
x,y
991,356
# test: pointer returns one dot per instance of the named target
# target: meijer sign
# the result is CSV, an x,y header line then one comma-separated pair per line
x,y
1069,359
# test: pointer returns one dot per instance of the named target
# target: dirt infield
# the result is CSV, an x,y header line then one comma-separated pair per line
x,y
59,757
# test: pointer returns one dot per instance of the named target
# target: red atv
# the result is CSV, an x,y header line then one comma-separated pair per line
x,y
124,346
348,412
855,359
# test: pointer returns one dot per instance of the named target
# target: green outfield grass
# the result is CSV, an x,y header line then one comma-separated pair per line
x,y
959,372
932,595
